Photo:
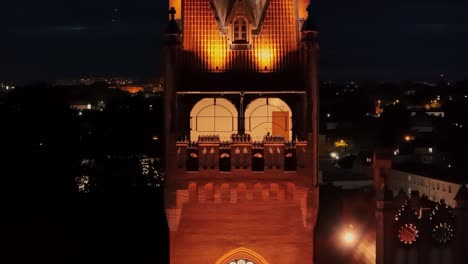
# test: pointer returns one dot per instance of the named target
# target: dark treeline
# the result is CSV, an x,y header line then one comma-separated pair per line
x,y
43,145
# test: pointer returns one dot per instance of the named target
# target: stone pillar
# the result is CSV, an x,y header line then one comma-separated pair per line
x,y
241,123
460,252
172,49
385,235
310,51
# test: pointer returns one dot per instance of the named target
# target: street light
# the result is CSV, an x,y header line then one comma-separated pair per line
x,y
334,155
349,235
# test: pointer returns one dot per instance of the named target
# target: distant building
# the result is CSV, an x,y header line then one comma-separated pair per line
x,y
421,124
421,214
87,106
6,87
435,188
81,106
431,113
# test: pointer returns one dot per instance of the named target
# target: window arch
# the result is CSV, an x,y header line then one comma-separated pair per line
x,y
268,115
241,256
213,116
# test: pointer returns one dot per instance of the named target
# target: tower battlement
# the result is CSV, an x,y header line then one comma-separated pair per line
x,y
240,153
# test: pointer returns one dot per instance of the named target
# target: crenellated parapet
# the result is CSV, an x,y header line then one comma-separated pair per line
x,y
273,153
210,192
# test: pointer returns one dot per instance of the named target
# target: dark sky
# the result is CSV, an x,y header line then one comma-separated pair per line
x,y
360,39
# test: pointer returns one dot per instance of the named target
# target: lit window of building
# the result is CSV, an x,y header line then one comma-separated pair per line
x,y
240,26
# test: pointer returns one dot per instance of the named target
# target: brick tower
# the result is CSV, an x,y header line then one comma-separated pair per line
x,y
241,131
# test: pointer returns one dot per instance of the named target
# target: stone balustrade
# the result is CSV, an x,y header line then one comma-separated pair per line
x,y
241,153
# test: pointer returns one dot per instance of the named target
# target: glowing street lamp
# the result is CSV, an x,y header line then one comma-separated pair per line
x,y
408,138
334,155
349,236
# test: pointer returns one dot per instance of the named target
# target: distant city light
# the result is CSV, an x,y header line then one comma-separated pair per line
x,y
334,155
408,138
341,143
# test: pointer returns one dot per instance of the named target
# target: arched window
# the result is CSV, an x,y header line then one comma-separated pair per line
x,y
268,116
241,261
213,116
241,256
240,25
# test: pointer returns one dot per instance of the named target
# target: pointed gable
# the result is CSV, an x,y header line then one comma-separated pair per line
x,y
240,7
462,194
225,9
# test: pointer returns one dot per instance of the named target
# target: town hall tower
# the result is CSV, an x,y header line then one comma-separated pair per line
x,y
241,131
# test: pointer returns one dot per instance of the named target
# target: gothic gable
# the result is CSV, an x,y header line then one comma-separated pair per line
x,y
224,11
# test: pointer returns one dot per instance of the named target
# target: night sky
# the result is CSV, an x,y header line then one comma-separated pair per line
x,y
360,40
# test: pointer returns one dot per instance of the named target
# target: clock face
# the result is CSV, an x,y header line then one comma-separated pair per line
x,y
442,233
408,234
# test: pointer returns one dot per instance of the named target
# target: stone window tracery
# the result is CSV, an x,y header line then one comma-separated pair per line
x,y
241,261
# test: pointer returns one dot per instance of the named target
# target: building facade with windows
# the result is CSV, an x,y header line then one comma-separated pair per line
x,y
420,216
241,131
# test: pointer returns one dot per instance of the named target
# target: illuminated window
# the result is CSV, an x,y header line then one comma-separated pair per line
x,y
241,256
241,261
240,30
268,116
213,116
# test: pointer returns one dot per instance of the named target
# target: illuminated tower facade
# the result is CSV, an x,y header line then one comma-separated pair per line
x,y
240,131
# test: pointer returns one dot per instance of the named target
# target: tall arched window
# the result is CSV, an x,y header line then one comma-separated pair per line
x,y
213,116
268,116
240,30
